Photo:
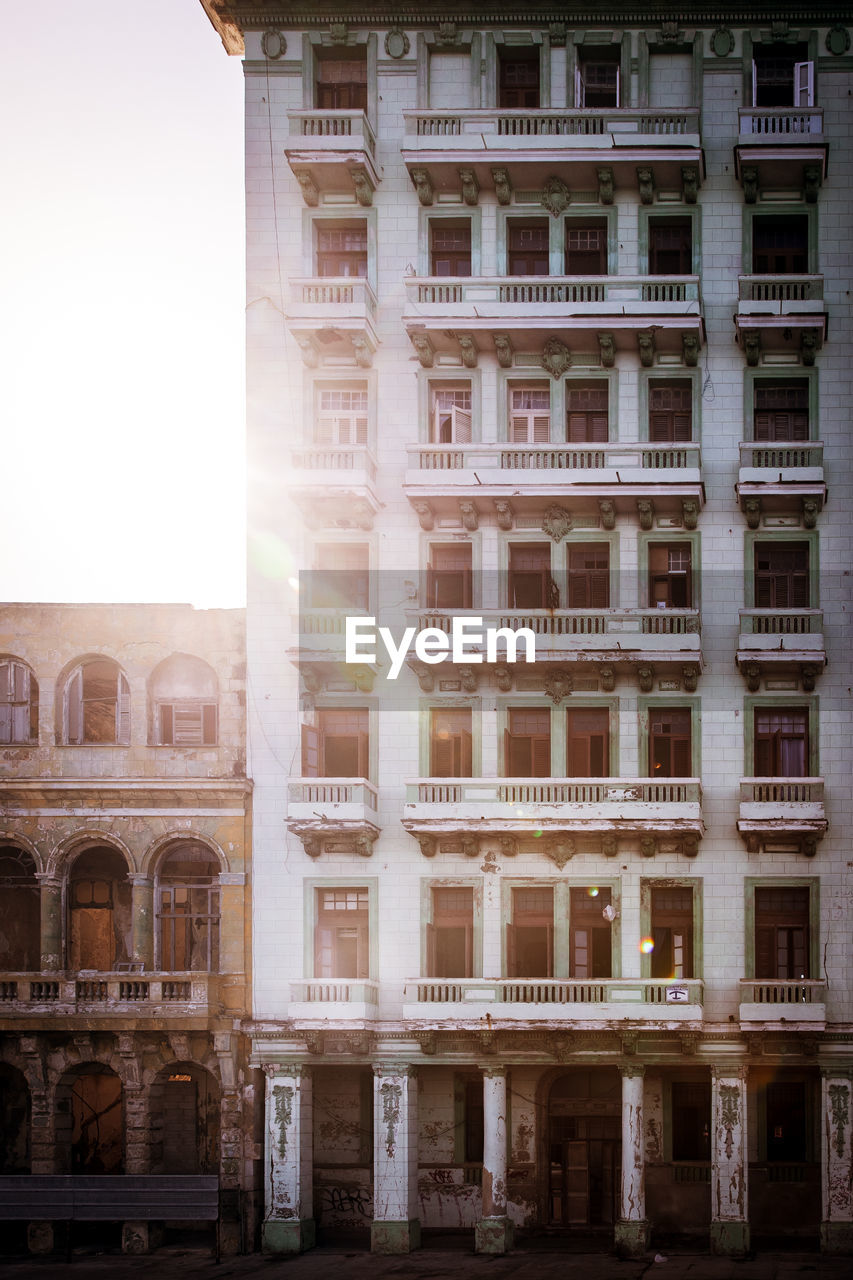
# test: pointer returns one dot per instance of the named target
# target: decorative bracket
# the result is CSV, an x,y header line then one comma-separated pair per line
x,y
423,186
424,348
470,187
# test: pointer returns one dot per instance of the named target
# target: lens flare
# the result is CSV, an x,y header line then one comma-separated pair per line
x,y
537,834
647,946
592,891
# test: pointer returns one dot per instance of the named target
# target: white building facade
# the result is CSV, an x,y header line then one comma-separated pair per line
x,y
548,325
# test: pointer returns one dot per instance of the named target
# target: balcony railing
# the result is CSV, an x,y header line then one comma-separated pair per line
x,y
196,991
798,791
782,991
591,994
781,124
781,622
780,288
335,991
537,791
513,292
321,296
345,459
782,457
323,130
580,622
545,124
562,458
333,791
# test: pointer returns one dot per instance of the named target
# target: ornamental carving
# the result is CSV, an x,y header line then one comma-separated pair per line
x,y
607,676
556,358
363,188
808,347
607,350
468,349
558,685
837,41
557,522
470,846
470,186
427,845
425,350
397,43
722,42
469,515
752,511
646,513
503,186
752,346
310,190
503,349
605,185
690,512
363,352
503,514
274,45
729,1113
423,186
561,849
811,183
646,347
749,177
503,679
607,513
556,196
646,183
508,846
690,349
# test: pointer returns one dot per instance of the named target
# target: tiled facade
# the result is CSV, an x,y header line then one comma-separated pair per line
x,y
548,322
125,916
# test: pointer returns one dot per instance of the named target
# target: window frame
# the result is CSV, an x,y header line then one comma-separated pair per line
x,y
533,384
475,883
663,373
449,537
430,380
311,913
433,216
649,703
781,701
799,373
659,212
750,884
312,220
320,542
312,42
669,536
452,709
507,737
9,665
536,541
123,703
561,933
782,210
184,704
696,885
809,536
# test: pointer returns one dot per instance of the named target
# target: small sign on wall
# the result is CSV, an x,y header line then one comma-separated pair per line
x,y
676,995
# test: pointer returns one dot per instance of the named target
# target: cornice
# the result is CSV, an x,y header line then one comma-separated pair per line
x,y
67,795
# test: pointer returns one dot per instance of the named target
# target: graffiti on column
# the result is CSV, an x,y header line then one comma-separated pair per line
x,y
391,1095
729,1113
839,1104
283,1108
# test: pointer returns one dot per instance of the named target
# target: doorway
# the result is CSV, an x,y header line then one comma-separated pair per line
x,y
584,1150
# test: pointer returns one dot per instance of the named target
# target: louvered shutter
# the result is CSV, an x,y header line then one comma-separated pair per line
x,y
208,726
123,709
467,753
520,758
511,955
167,726
363,755
461,425
681,758
618,86
21,698
431,957
765,951
324,953
541,754
586,428
441,755
325,432
803,84
530,428
74,706
310,751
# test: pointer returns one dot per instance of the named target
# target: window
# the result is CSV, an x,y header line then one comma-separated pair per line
x,y
670,575
781,575
588,743
450,937
99,906
527,743
449,576
187,724
342,82
781,742
589,576
586,247
19,703
342,415
782,76
782,931
337,747
450,248
188,911
451,414
518,78
341,579
670,412
589,934
342,934
527,253
530,936
780,244
785,1112
342,249
450,753
20,929
530,414
97,704
670,247
184,694
672,932
530,583
781,410
691,1120
669,743
587,412
597,79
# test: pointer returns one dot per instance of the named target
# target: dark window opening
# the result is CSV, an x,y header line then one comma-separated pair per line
x,y
527,743
518,79
474,1126
337,747
588,743
450,248
672,933
780,245
589,934
20,912
586,248
530,583
781,410
670,247
187,723
781,575
670,584
450,745
782,76
786,1121
597,80
781,742
782,932
527,253
669,743
449,576
450,937
188,911
670,412
589,576
342,83
587,413
451,415
691,1120
530,936
342,250
341,938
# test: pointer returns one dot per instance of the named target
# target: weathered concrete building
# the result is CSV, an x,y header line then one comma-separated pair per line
x,y
548,324
125,915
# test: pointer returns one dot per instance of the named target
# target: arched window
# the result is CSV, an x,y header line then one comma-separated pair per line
x,y
19,703
99,909
184,695
188,910
97,703
19,911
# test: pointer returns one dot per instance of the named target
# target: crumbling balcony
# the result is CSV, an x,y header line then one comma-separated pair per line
x,y
780,149
782,315
782,815
333,814
600,1001
779,1004
335,485
332,152
140,995
779,641
334,999
335,316
786,476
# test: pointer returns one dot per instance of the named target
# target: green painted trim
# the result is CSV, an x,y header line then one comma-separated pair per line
x,y
696,883
454,882
645,540
560,559
664,373
340,213
280,1238
646,703
557,234
444,213
562,886
451,537
789,208
729,1239
643,70
422,72
372,112
779,374
752,536
311,916
750,884
590,702
427,378
792,699
317,380
660,212
450,702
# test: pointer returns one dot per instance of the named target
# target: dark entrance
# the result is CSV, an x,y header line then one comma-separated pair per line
x,y
584,1149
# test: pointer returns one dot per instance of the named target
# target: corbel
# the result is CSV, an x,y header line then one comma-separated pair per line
x,y
425,514
690,512
428,845
690,349
607,350
469,515
309,349
470,187
605,185
468,349
646,347
811,183
503,349
752,347
749,177
648,846
752,511
503,186
308,187
646,184
362,186
426,351
646,513
362,350
646,678
504,514
423,186
689,183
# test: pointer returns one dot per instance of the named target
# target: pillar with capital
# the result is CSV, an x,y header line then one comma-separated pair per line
x,y
288,1225
729,1162
396,1227
836,1161
50,899
631,1232
494,1232
142,916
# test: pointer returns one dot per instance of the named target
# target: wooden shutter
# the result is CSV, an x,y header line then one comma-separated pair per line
x,y
519,757
803,84
310,751
511,959
431,951
74,706
167,724
754,84
363,755
461,425
587,743
541,757
441,757
467,768
123,721
579,87
324,952
765,951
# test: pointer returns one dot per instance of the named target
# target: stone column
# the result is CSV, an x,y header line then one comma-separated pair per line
x,y
493,1233
836,1162
50,896
631,1233
396,1227
729,1161
142,917
289,1160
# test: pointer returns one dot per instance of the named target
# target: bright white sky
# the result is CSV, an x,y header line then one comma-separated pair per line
x,y
121,321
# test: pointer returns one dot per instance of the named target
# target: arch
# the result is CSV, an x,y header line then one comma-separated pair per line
x,y
26,845
93,702
20,910
89,1110
161,848
62,858
188,909
19,701
184,1112
99,910
15,1121
183,702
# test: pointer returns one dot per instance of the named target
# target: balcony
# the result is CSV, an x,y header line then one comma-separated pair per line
x,y
549,812
341,999
780,149
586,313
506,150
599,1001
779,1004
335,485
787,475
335,814
616,475
782,814
332,152
781,314
140,995
774,641
333,316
